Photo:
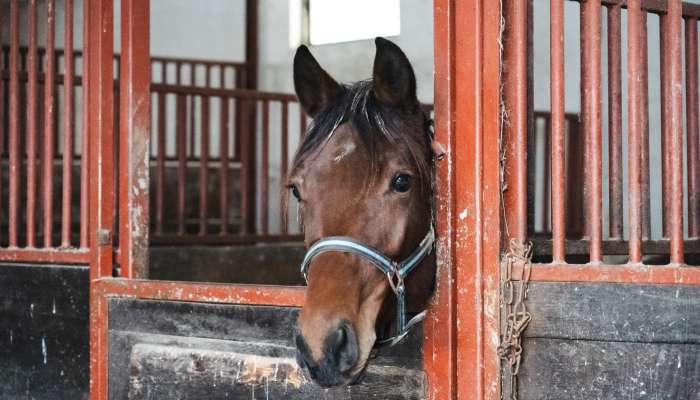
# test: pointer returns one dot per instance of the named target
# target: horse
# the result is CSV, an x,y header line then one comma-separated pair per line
x,y
363,180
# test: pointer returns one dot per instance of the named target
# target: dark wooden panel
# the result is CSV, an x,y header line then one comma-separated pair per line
x,y
153,345
43,332
269,264
174,372
615,312
586,370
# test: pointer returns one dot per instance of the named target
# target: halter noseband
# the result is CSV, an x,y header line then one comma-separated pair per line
x,y
395,272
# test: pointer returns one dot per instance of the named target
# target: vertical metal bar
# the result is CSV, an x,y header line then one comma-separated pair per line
x,y
3,68
224,164
135,124
85,145
284,163
181,151
49,122
644,117
693,130
674,119
13,144
615,122
546,171
245,136
192,112
634,106
67,124
32,120
590,48
100,49
665,167
251,44
160,161
265,173
515,99
558,131
204,163
237,131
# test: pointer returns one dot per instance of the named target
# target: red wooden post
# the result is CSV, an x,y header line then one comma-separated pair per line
x,y
99,52
135,117
462,327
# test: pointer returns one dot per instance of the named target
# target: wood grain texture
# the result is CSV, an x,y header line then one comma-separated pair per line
x,y
615,312
590,370
185,350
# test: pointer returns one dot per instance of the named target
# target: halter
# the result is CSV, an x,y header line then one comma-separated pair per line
x,y
395,272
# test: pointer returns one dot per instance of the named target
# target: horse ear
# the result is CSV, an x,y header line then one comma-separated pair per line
x,y
315,89
394,80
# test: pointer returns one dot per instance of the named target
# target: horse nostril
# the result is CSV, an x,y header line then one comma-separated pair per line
x,y
345,348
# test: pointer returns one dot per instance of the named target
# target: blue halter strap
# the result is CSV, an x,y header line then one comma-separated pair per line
x,y
395,272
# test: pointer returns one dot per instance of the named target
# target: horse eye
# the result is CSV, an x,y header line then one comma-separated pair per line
x,y
401,183
295,192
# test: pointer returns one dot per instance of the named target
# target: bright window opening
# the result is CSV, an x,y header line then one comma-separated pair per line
x,y
335,21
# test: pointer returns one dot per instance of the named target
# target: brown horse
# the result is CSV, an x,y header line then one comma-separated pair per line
x,y
364,171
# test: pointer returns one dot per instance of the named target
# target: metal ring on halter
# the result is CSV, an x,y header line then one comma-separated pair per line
x,y
395,272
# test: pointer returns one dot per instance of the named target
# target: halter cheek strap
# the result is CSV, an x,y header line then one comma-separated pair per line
x,y
394,271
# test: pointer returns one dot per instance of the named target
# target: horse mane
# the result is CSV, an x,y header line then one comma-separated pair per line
x,y
376,125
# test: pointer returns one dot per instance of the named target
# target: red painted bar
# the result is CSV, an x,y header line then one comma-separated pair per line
x,y
49,121
224,164
674,118
191,135
591,107
3,67
546,174
636,274
558,131
68,99
204,163
237,117
100,49
181,151
32,120
284,163
265,173
665,161
615,122
160,162
245,137
85,137
134,139
634,106
13,143
48,256
644,118
515,99
693,131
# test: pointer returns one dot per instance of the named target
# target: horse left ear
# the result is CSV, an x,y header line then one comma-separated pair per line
x,y
393,77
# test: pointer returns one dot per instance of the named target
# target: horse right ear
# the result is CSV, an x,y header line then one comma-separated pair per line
x,y
315,89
